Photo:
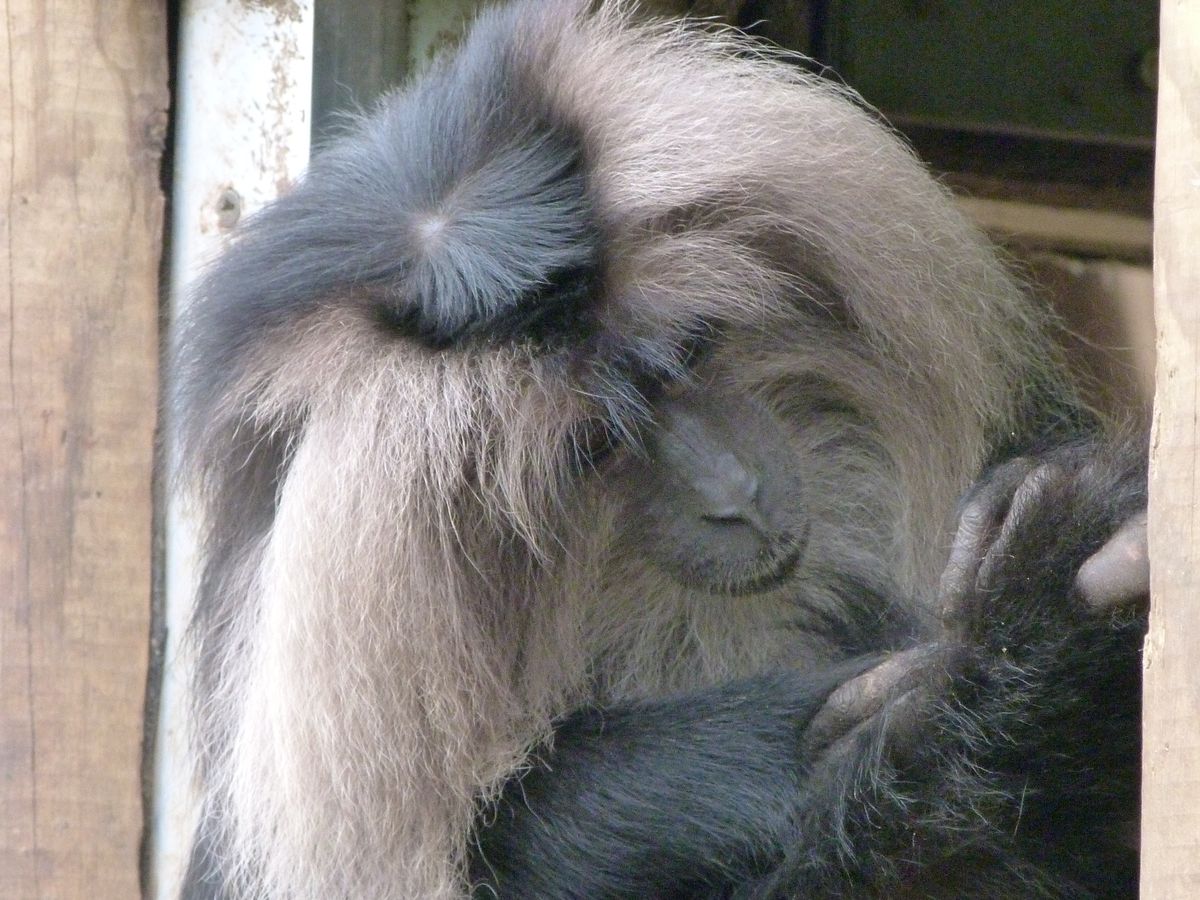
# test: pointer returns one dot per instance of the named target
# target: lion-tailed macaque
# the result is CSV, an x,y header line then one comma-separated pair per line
x,y
581,447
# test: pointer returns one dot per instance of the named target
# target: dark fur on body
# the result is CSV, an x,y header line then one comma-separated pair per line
x,y
408,400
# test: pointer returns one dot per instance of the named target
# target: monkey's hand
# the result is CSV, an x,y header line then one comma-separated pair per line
x,y
1005,747
1043,547
1070,525
1046,591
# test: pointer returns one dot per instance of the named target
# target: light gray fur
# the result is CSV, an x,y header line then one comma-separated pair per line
x,y
405,582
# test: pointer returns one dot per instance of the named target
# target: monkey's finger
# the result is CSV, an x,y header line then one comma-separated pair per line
x,y
1118,574
1027,499
978,524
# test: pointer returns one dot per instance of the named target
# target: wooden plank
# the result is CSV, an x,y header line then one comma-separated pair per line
x,y
83,87
1171,755
1089,231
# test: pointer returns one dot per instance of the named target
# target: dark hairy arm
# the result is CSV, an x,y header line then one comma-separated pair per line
x,y
668,797
999,760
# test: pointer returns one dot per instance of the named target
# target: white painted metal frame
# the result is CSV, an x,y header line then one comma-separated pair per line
x,y
243,126
242,136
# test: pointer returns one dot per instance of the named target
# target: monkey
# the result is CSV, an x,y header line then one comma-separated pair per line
x,y
620,377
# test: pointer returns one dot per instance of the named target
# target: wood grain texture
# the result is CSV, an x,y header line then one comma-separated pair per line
x,y
1171,757
83,96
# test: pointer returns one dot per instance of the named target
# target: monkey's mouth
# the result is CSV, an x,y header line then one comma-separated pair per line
x,y
777,571
774,567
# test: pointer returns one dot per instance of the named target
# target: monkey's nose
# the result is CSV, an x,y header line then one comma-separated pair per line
x,y
729,494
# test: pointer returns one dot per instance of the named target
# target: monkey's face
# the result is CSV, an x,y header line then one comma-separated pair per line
x,y
715,499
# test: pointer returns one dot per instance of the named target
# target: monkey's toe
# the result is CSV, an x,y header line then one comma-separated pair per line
x,y
891,695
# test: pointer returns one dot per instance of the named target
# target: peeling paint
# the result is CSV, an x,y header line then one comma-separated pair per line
x,y
282,109
284,10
